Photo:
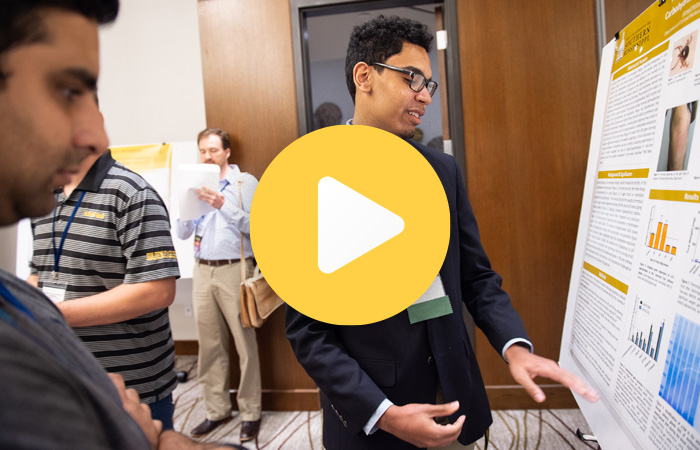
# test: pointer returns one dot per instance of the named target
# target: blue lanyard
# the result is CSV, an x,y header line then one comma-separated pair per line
x,y
14,302
57,253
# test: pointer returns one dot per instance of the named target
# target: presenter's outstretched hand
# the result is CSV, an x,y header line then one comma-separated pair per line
x,y
524,367
414,424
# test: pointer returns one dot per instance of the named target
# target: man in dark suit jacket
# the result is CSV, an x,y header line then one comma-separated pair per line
x,y
380,382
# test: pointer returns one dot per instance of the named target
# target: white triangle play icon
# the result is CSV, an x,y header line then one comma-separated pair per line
x,y
350,225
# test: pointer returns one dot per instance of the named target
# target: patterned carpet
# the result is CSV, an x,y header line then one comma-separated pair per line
x,y
301,430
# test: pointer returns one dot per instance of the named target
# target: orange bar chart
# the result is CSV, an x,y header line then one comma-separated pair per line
x,y
657,240
662,244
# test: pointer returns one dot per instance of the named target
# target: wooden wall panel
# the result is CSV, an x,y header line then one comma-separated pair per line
x,y
249,91
619,13
528,80
248,75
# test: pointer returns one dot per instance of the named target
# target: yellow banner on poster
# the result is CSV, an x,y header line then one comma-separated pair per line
x,y
609,279
675,196
619,174
652,28
641,61
140,158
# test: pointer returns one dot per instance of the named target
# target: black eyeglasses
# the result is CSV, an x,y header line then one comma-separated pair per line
x,y
418,81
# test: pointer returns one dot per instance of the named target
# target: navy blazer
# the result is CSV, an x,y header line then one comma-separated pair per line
x,y
356,367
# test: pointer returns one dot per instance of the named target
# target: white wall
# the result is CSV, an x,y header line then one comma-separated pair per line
x,y
151,90
151,87
8,248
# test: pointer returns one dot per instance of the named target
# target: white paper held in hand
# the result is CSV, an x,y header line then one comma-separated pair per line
x,y
188,179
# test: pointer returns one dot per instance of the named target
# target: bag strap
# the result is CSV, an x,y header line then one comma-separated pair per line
x,y
240,205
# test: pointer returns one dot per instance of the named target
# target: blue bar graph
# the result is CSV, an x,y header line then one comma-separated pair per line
x,y
680,385
647,344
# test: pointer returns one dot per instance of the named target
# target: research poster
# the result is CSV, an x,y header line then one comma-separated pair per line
x,y
152,162
157,164
632,327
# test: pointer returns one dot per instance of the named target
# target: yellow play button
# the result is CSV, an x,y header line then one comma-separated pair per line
x,y
350,225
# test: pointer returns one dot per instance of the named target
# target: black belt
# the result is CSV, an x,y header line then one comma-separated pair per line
x,y
217,262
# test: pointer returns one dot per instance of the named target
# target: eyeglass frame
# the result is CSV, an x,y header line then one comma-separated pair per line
x,y
426,81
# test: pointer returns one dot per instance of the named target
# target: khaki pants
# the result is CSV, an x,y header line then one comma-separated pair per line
x,y
217,309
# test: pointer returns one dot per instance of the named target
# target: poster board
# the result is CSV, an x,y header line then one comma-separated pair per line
x,y
632,326
156,164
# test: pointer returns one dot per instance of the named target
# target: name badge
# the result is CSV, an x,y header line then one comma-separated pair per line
x,y
197,243
432,304
56,292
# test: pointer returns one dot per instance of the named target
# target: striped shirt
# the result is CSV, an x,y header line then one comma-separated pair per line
x,y
119,234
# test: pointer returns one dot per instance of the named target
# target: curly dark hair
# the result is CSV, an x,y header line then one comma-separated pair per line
x,y
380,38
22,21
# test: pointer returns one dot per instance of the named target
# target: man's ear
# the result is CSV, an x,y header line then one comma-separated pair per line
x,y
362,75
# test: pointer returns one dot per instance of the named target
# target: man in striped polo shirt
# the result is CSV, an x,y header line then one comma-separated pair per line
x,y
106,258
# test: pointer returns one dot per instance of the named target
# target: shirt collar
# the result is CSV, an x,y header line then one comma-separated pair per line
x,y
93,179
233,175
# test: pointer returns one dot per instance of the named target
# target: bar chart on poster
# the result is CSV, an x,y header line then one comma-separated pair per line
x,y
645,331
632,326
659,239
